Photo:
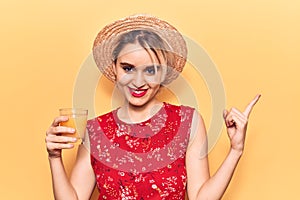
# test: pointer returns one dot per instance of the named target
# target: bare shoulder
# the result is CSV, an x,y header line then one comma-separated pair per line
x,y
198,136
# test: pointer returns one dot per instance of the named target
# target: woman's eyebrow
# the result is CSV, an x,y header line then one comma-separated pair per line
x,y
153,66
126,64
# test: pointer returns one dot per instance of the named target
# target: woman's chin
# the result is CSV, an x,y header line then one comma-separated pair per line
x,y
137,103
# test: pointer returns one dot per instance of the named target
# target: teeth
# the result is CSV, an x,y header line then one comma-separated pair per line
x,y
138,91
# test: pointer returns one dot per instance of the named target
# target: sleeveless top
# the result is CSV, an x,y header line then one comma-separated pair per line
x,y
143,160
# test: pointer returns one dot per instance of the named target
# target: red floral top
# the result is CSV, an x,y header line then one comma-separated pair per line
x,y
143,160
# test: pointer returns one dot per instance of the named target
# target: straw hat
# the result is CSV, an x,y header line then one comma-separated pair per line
x,y
108,38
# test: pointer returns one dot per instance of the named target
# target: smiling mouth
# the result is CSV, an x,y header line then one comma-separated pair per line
x,y
138,92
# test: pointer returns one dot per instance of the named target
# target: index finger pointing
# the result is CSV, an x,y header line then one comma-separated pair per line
x,y
251,105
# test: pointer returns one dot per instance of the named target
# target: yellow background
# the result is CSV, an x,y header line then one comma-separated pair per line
x,y
255,45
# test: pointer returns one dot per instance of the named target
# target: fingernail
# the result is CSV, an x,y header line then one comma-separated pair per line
x,y
224,113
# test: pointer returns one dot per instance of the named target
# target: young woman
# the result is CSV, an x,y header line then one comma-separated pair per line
x,y
145,149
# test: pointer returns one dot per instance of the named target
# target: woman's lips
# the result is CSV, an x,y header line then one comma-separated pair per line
x,y
138,92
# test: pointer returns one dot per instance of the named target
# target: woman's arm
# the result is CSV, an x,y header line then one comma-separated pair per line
x,y
200,184
196,158
82,180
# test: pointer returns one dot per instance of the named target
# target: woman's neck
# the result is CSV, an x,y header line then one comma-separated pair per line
x,y
135,114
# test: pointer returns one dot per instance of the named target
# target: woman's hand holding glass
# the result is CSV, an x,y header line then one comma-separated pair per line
x,y
65,130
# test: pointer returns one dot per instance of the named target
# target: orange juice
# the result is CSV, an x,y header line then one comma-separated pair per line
x,y
77,120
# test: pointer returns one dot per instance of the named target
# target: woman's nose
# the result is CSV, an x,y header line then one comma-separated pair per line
x,y
139,79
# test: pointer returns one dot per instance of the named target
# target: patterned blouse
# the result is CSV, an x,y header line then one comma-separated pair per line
x,y
143,160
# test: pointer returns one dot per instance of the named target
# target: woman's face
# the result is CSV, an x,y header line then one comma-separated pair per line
x,y
139,74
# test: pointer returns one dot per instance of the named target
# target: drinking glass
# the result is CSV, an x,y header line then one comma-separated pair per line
x,y
77,120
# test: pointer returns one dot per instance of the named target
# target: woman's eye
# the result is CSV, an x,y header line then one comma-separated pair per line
x,y
128,68
151,70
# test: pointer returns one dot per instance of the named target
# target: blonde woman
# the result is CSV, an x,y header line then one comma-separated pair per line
x,y
145,149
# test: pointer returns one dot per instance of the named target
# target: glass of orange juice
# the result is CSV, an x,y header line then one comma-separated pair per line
x,y
77,120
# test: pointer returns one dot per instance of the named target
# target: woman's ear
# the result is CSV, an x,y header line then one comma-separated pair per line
x,y
164,73
114,69
163,65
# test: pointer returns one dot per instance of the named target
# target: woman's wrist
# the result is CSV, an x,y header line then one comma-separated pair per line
x,y
52,156
236,152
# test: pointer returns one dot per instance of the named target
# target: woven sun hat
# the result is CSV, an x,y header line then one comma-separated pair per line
x,y
109,37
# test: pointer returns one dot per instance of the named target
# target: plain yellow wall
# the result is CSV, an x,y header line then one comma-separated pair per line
x,y
255,45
